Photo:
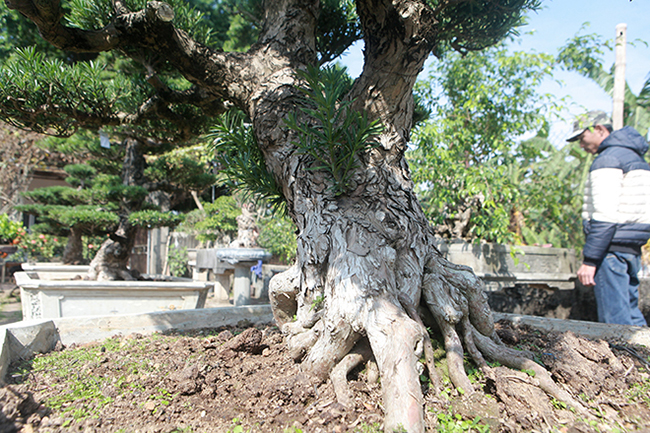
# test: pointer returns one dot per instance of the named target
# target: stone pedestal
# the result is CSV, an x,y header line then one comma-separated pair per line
x,y
222,262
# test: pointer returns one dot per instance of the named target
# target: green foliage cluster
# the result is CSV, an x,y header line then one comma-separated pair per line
x,y
338,28
38,80
448,423
241,163
339,135
11,232
85,207
177,260
278,236
153,218
216,221
470,157
180,167
476,25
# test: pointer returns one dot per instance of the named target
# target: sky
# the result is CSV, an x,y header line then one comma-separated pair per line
x,y
559,20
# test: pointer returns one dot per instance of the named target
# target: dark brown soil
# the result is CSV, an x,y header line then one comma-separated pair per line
x,y
240,380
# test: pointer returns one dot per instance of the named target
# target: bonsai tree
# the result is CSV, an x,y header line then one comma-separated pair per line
x,y
366,257
73,211
103,203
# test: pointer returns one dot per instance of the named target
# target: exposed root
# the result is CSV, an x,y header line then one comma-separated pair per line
x,y
283,292
372,371
300,340
472,290
397,343
330,347
512,359
360,353
434,377
473,351
454,349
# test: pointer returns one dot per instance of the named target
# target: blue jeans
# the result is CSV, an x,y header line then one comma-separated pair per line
x,y
617,290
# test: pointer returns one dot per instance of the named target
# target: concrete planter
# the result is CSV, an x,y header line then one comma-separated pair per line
x,y
56,271
502,266
44,295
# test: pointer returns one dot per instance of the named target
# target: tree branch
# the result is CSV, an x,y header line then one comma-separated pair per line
x,y
47,17
398,35
150,29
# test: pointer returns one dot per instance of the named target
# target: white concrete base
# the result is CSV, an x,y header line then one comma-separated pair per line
x,y
28,337
45,299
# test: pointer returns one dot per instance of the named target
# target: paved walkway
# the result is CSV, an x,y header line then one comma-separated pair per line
x,y
10,307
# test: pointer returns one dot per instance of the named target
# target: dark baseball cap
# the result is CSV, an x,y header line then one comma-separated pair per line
x,y
587,120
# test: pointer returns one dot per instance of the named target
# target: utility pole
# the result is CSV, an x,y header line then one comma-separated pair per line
x,y
619,77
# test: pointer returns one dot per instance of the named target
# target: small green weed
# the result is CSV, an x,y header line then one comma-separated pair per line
x,y
317,303
236,427
640,392
187,429
368,428
448,423
557,404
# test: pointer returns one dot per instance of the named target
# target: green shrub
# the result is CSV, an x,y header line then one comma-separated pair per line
x,y
177,260
217,221
39,247
11,232
277,235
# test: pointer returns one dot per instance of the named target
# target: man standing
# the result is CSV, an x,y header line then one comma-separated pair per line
x,y
616,216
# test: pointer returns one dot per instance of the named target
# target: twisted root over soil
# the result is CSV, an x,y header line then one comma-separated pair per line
x,y
210,381
394,337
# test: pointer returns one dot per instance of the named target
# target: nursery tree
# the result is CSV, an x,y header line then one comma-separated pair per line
x,y
80,209
366,256
475,177
117,189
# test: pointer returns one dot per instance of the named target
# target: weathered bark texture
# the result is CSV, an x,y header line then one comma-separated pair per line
x,y
365,259
73,252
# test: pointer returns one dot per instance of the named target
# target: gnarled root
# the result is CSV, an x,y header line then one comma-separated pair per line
x,y
513,359
360,354
397,343
434,377
392,332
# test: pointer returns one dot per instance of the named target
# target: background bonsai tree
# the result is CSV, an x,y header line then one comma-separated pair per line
x,y
115,197
83,208
366,255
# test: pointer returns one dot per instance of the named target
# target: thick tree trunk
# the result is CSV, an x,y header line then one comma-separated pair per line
x,y
366,259
73,252
112,259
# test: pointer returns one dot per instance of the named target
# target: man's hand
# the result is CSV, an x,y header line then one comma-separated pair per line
x,y
586,275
